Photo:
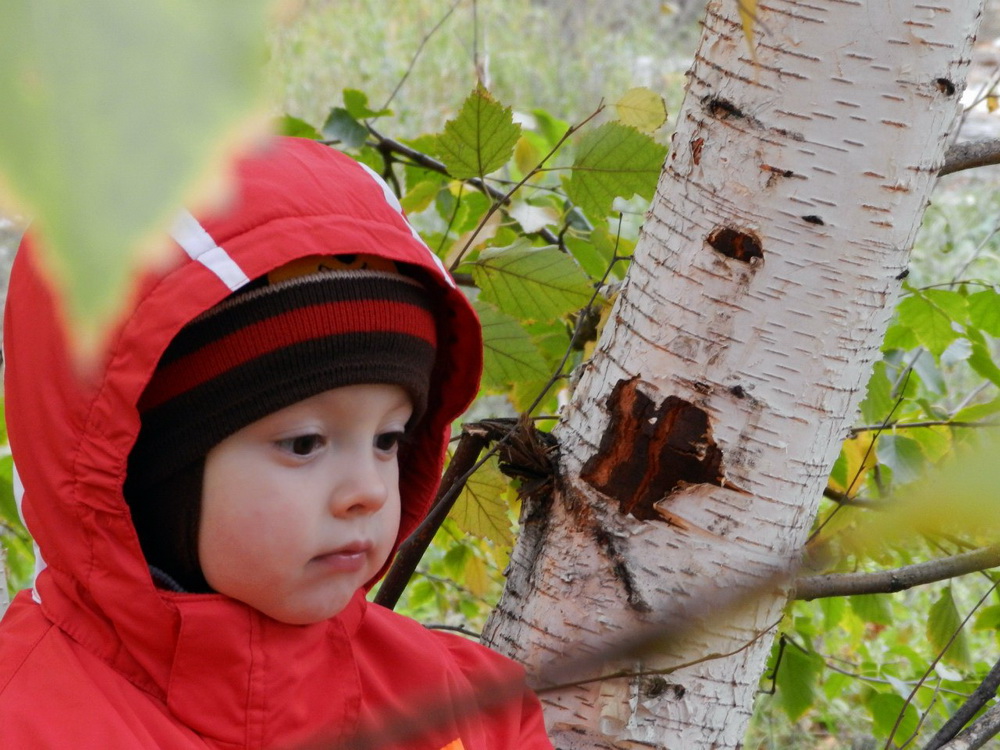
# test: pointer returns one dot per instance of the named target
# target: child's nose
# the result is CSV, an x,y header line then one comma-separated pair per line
x,y
363,489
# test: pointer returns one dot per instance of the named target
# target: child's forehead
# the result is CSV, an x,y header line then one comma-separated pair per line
x,y
355,405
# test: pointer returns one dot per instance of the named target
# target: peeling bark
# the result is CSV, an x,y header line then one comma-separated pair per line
x,y
702,432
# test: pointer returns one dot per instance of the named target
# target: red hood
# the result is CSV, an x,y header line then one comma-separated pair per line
x,y
70,437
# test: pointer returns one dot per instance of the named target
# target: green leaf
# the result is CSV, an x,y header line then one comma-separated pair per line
x,y
509,355
113,115
931,315
935,441
833,611
297,128
900,336
614,161
878,401
481,139
981,360
420,196
455,559
642,109
885,708
796,680
472,207
8,508
595,252
551,128
942,623
903,455
988,618
953,304
978,411
481,509
872,608
356,104
531,284
341,126
984,311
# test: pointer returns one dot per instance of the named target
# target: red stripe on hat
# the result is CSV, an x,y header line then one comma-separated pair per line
x,y
291,327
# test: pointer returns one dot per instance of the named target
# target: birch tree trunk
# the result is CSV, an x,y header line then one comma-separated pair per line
x,y
699,439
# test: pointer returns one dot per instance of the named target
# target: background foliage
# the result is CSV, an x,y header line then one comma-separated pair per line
x,y
524,140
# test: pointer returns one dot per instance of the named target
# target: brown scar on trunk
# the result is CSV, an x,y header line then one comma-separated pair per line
x,y
649,450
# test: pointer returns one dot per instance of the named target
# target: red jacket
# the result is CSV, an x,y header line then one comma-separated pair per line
x,y
95,657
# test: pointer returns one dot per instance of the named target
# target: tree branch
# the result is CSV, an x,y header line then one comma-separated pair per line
x,y
411,550
899,579
986,691
971,154
979,733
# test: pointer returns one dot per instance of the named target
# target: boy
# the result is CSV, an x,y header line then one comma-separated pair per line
x,y
269,423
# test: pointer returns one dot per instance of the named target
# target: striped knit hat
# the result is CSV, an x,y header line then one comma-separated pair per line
x,y
317,323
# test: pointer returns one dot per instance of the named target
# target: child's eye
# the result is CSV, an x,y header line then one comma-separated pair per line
x,y
302,445
388,442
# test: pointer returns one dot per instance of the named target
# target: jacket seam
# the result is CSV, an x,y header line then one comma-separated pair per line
x,y
27,655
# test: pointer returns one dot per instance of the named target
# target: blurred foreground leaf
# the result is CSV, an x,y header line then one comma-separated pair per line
x,y
113,111
961,497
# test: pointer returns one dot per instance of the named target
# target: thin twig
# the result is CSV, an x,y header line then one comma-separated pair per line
x,y
898,579
420,49
630,674
855,431
454,629
853,501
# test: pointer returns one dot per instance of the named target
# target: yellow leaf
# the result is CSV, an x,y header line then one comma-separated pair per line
x,y
476,578
526,155
590,346
860,457
643,109
748,17
992,103
481,509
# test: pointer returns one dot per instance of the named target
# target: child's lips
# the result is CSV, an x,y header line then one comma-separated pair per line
x,y
347,559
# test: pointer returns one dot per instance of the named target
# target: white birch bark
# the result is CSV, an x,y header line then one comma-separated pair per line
x,y
823,153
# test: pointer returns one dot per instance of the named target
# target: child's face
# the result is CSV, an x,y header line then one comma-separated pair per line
x,y
301,508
